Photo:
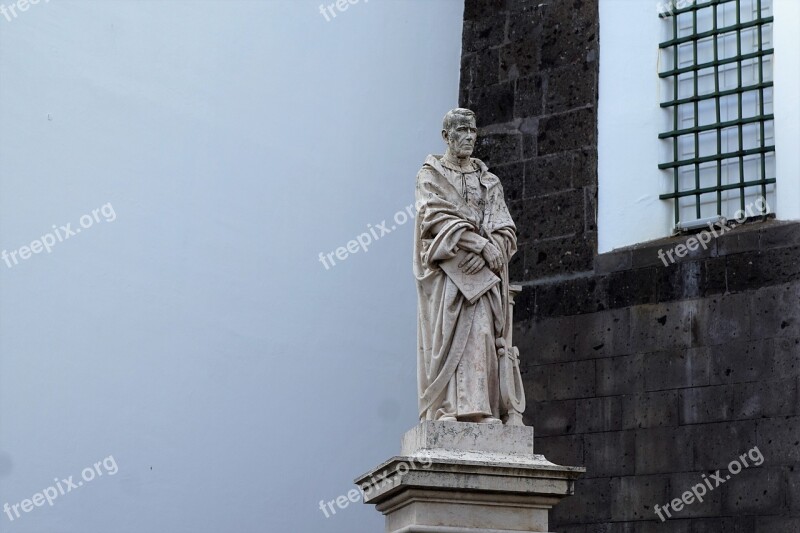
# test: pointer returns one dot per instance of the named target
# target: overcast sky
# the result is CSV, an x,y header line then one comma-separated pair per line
x,y
208,152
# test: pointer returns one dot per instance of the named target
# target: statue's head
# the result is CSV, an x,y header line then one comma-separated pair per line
x,y
460,132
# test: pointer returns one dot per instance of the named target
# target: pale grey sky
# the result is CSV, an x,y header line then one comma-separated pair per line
x,y
197,338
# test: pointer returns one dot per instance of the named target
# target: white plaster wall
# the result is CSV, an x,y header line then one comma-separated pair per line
x,y
629,119
787,108
197,338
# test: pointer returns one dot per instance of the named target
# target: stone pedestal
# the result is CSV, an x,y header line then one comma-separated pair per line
x,y
456,477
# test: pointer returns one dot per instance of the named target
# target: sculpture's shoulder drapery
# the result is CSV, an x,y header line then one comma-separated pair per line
x,y
443,214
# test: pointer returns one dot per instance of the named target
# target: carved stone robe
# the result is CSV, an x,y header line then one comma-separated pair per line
x,y
457,370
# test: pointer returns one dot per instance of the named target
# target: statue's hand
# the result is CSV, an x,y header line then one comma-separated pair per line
x,y
493,256
472,263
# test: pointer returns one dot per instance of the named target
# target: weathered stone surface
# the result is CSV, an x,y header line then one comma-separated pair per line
x,y
603,334
430,437
777,234
755,492
561,255
612,262
771,524
786,358
721,319
700,359
775,312
482,33
740,362
610,454
632,287
716,445
707,404
573,29
751,270
620,375
766,399
493,103
590,210
779,440
599,414
650,409
549,174
469,478
526,21
485,68
677,369
497,148
662,326
664,450
547,341
570,87
715,276
740,524
513,175
529,97
567,131
711,505
679,281
570,380
793,489
564,449
516,267
554,215
745,239
518,59
591,503
553,418
586,167
491,10
633,496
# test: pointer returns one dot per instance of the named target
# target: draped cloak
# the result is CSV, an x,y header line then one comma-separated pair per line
x,y
447,323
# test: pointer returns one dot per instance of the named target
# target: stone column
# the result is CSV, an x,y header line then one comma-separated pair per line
x,y
458,477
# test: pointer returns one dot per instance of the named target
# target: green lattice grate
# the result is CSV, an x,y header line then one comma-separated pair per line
x,y
717,148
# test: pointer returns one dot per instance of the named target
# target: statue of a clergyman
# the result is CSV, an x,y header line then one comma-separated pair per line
x,y
467,369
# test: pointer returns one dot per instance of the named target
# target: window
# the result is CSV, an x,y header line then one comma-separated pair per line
x,y
717,93
716,42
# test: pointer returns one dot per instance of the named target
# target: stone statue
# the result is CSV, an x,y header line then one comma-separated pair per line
x,y
468,370
469,465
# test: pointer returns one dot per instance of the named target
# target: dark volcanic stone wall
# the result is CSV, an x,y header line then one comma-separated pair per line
x,y
649,376
529,71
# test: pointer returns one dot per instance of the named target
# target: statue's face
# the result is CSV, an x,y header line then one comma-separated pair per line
x,y
462,137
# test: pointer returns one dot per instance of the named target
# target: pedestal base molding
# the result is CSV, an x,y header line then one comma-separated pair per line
x,y
455,477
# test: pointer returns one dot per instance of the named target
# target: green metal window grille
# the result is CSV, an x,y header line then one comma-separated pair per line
x,y
716,73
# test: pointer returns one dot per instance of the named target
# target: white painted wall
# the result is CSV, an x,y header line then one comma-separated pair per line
x,y
197,338
629,120
787,108
629,210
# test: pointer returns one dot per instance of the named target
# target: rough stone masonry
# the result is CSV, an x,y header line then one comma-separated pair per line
x,y
650,376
